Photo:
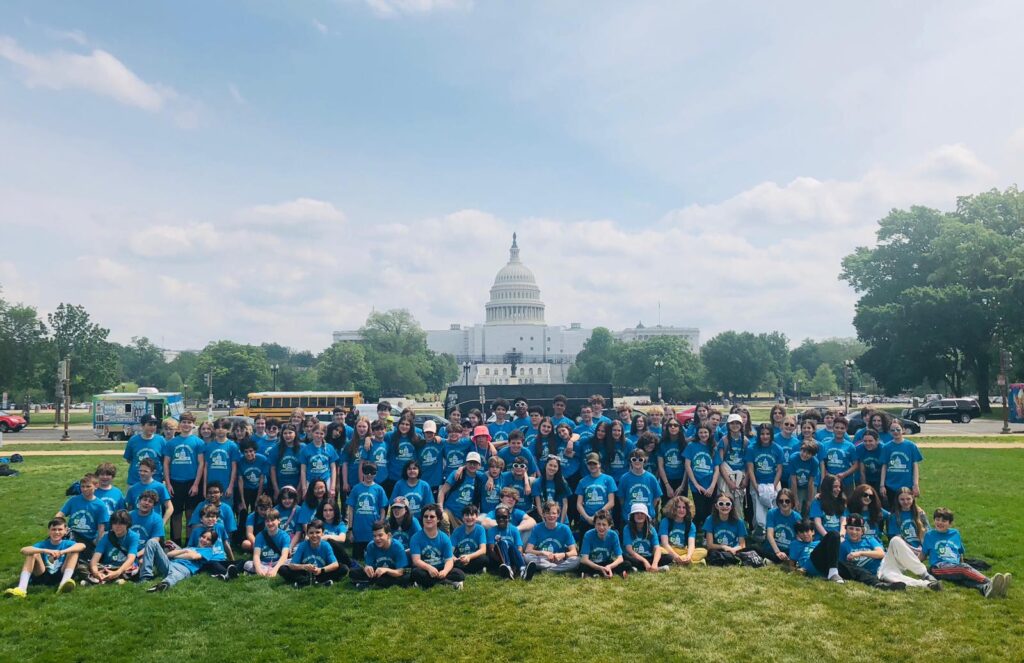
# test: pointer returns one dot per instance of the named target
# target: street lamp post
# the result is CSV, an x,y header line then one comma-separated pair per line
x,y
465,371
659,364
1004,381
209,402
274,368
847,367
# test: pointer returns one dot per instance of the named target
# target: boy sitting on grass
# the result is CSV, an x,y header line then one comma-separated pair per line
x,y
50,562
944,550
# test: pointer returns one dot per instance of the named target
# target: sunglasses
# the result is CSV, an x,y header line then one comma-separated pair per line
x,y
636,459
518,466
867,496
725,505
673,425
780,502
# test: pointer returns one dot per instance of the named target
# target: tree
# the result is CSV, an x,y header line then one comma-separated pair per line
x,y
142,362
682,376
801,381
24,350
735,362
596,361
824,382
778,371
94,362
237,369
173,382
343,366
442,370
937,289
396,349
832,351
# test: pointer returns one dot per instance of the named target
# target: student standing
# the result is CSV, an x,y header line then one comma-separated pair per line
x,y
901,466
184,466
366,505
147,444
701,470
222,460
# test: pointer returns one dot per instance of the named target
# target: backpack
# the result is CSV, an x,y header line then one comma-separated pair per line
x,y
74,489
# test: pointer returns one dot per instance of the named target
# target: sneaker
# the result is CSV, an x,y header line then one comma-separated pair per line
x,y
120,581
986,589
220,576
362,586
999,586
505,572
836,578
66,587
159,587
897,586
232,572
327,583
582,576
92,580
530,571
15,593
415,584
297,585
457,586
929,577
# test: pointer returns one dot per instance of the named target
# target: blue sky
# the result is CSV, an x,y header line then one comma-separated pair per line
x,y
272,171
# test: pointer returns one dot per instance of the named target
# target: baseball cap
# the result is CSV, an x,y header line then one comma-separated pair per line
x,y
639,507
401,500
429,426
148,419
473,456
593,458
734,417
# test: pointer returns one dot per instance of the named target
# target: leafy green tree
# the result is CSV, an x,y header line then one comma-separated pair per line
x,y
237,369
142,362
442,370
173,382
682,376
24,350
824,382
596,362
801,381
94,361
343,366
735,362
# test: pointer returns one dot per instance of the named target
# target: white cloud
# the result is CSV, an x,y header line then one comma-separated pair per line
x,y
174,240
393,8
320,27
296,211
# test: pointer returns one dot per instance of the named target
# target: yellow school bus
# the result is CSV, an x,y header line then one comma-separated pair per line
x,y
279,404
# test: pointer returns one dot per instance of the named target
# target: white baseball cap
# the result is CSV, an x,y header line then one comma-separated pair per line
x,y
639,507
473,456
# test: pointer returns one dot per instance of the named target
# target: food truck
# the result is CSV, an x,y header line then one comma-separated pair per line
x,y
117,416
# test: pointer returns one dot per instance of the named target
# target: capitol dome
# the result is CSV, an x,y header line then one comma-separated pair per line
x,y
515,297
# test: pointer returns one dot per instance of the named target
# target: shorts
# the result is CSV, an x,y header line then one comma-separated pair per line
x,y
181,500
46,579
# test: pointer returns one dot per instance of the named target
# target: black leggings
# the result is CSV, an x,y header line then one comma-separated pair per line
x,y
637,566
341,554
306,578
702,505
476,565
358,575
617,569
826,555
425,580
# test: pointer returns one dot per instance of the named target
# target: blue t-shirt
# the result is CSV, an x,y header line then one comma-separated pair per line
x,y
467,543
393,557
267,554
838,456
462,495
419,495
618,464
865,543
549,490
643,546
85,516
54,565
112,555
901,523
807,472
831,522
734,453
434,551
150,526
135,491
595,492
431,459
455,453
318,462
367,502
288,522
335,529
400,451
800,552
252,471
138,448
227,516
508,480
305,513
765,460
264,445
112,497
404,536
678,533
883,438
508,532
638,488
319,556
784,527
725,532
521,423
872,528
193,565
557,539
601,551
899,462
943,547
871,460
219,459
671,456
378,453
703,462
286,464
506,455
499,432
490,498
219,553
184,453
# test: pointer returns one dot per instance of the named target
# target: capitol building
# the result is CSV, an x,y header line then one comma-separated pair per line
x,y
514,331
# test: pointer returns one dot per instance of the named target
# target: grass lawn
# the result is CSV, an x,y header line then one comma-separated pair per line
x,y
700,613
45,419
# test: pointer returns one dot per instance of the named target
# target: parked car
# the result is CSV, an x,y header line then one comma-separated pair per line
x,y
11,423
960,410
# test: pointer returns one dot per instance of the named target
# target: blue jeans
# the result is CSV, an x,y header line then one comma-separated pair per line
x,y
510,554
155,557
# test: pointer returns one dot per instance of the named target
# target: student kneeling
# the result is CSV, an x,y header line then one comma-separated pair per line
x,y
313,562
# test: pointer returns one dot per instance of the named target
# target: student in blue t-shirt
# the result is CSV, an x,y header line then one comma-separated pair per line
x,y
214,492
175,565
50,562
551,486
461,489
335,532
469,541
601,552
184,468
640,540
285,461
908,520
515,449
638,486
732,455
222,460
209,519
505,548
804,476
701,463
116,552
272,547
501,427
366,504
862,556
552,546
764,472
106,491
866,504
901,466
725,534
816,557
146,522
677,533
146,470
386,561
838,456
401,522
313,561
455,447
595,492
318,460
828,510
671,461
147,444
430,457
378,453
944,550
780,532
403,445
415,490
432,555
253,470
869,456
86,515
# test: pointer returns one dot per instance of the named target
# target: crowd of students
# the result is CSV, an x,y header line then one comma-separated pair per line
x,y
388,504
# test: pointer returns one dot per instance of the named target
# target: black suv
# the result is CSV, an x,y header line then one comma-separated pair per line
x,y
960,410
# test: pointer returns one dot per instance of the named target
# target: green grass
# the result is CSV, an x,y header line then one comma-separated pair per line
x,y
45,419
700,613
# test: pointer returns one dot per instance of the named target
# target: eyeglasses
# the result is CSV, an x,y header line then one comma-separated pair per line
x,y
724,505
780,502
428,516
789,425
